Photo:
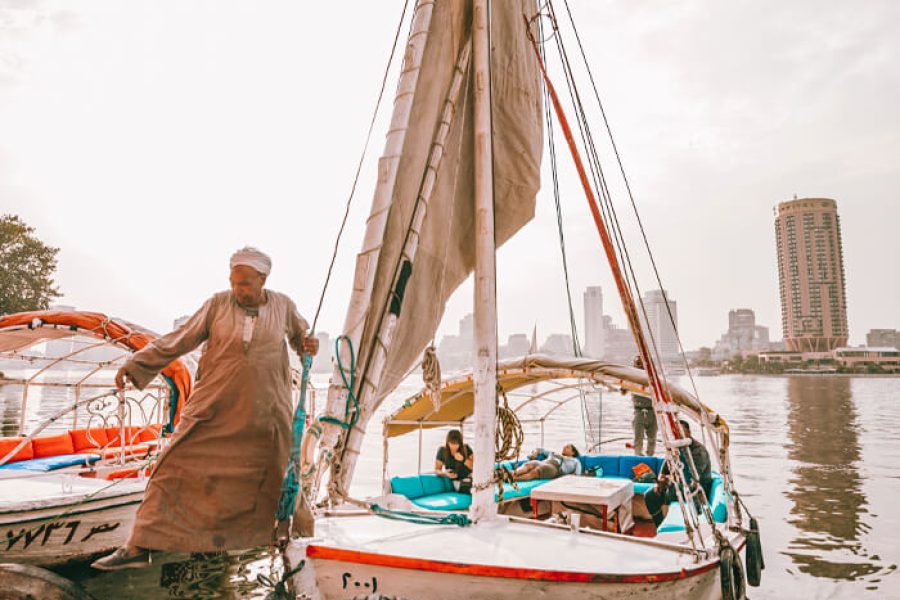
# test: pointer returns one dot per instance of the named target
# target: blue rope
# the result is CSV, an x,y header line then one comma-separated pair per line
x,y
349,420
173,405
290,485
459,519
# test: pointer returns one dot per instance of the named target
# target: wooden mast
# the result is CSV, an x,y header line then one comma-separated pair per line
x,y
485,356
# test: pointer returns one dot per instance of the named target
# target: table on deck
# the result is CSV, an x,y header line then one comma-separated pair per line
x,y
609,494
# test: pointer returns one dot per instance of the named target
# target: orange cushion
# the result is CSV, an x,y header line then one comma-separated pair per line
x,y
7,445
149,434
86,439
113,451
112,433
52,445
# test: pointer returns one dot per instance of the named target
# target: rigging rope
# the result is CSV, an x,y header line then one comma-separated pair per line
x,y
431,376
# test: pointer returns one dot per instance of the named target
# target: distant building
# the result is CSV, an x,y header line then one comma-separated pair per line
x,y
811,275
455,351
558,343
662,322
593,322
619,346
516,345
883,338
885,358
322,362
743,337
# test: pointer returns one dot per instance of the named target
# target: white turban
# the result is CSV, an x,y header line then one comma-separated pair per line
x,y
251,257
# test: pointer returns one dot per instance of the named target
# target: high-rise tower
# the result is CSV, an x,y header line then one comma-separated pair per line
x,y
811,275
593,322
662,322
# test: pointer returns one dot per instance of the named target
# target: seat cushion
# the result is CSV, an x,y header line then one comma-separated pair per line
x,y
445,501
718,500
435,484
410,486
9,444
524,491
88,439
51,463
609,464
149,433
52,445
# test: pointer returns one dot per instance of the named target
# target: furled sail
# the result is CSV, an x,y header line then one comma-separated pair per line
x,y
419,244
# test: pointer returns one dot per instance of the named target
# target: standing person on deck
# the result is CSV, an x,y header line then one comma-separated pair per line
x,y
217,485
644,420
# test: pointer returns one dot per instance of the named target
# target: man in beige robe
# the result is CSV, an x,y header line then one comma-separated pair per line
x,y
217,485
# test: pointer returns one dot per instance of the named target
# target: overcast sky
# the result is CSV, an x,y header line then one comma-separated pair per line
x,y
148,140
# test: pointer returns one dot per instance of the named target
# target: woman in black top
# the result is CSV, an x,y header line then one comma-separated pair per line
x,y
454,460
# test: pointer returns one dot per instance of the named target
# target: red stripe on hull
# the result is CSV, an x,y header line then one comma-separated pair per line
x,y
421,564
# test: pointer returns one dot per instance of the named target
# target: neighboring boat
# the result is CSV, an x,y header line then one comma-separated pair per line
x,y
467,124
71,480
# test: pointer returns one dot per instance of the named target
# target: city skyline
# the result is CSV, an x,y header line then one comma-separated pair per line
x,y
708,151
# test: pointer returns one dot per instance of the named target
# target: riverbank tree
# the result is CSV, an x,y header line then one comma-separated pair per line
x,y
27,266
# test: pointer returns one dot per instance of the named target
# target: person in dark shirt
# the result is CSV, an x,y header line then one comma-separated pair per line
x,y
454,460
659,497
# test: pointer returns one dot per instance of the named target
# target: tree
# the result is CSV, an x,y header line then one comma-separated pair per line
x,y
26,268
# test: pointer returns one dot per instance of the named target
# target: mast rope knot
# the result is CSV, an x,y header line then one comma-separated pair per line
x,y
431,376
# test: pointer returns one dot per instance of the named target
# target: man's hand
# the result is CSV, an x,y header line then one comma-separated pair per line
x,y
121,377
662,482
311,345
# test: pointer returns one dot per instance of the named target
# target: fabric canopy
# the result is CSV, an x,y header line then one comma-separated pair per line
x,y
22,330
458,393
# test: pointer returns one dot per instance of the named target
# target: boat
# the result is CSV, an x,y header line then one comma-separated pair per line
x,y
71,479
467,124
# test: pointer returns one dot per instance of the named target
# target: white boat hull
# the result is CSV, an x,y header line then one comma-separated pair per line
x,y
500,560
63,525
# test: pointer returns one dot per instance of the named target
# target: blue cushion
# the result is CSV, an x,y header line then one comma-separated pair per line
x,y
435,484
445,501
410,486
609,464
51,463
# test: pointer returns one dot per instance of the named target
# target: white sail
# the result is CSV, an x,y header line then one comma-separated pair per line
x,y
419,244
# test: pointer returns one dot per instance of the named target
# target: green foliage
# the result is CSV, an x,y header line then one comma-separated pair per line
x,y
26,268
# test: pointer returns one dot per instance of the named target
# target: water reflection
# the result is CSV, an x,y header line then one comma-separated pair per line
x,y
829,504
218,576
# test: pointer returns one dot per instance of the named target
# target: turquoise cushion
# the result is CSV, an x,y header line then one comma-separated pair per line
x,y
639,488
718,501
410,486
524,490
435,484
445,501
51,463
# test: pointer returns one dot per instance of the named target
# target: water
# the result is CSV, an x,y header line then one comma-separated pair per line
x,y
817,459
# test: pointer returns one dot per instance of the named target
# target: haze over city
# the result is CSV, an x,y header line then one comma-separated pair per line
x,y
148,146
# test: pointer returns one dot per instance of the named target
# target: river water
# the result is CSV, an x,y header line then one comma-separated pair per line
x,y
817,459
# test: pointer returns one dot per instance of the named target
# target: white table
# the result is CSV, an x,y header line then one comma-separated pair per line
x,y
609,494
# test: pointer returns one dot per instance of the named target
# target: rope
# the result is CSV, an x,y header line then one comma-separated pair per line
x,y
349,419
431,376
290,485
362,158
279,588
458,519
508,440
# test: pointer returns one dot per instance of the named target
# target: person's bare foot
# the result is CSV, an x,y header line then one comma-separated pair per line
x,y
123,558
